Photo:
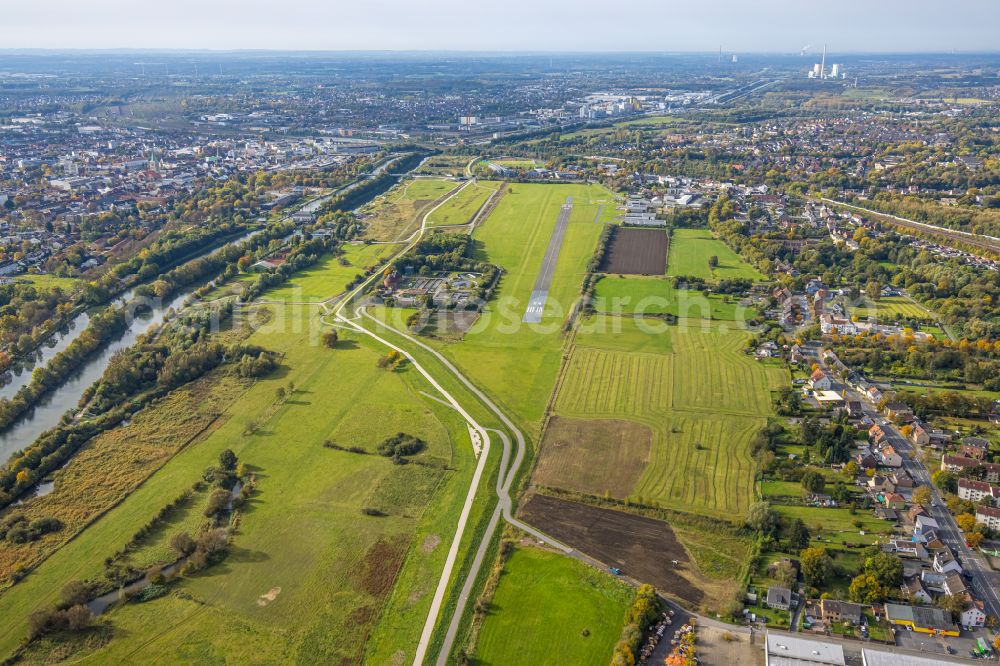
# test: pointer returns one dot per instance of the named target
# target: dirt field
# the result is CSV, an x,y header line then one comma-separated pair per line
x,y
718,647
637,252
593,456
641,547
450,325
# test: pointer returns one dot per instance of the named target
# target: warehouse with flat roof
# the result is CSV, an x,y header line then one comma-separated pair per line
x,y
782,650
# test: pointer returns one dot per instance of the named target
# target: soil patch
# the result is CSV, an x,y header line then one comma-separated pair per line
x,y
430,543
268,596
643,548
636,252
381,566
593,456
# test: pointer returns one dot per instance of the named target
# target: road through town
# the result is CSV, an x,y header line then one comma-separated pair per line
x,y
984,581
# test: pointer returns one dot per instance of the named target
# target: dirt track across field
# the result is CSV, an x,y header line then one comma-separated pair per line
x,y
637,252
643,548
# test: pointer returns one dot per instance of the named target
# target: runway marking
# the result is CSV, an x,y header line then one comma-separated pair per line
x,y
536,304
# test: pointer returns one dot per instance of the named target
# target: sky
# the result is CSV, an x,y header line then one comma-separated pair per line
x,y
505,25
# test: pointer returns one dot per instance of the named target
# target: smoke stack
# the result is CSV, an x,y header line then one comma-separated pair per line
x,y
822,67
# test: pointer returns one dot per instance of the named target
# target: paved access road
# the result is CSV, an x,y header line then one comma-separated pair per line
x,y
536,304
984,581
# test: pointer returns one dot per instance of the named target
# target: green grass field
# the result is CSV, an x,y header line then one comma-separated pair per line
x,y
690,250
396,214
893,307
702,396
542,607
658,296
515,163
460,208
443,165
48,281
309,574
517,362
330,276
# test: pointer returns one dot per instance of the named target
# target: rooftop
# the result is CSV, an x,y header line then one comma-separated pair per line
x,y
790,651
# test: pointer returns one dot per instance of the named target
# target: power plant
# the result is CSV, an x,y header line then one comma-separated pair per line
x,y
819,70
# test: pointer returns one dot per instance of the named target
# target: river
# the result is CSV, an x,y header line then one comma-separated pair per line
x,y
48,411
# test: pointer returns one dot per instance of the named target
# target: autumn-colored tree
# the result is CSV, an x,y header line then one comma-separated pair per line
x,y
922,495
966,521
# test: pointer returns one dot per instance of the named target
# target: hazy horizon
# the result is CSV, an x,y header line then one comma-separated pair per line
x,y
586,26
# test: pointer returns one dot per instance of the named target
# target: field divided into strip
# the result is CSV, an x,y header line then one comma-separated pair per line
x,y
893,307
603,382
702,397
702,461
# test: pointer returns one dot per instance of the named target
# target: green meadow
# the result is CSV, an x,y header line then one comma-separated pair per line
x,y
642,295
551,609
309,575
691,249
331,275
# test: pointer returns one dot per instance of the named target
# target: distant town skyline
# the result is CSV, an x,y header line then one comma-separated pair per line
x,y
517,25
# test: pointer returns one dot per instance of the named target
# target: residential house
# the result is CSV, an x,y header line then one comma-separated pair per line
x,y
902,479
976,491
932,540
780,598
820,381
876,434
988,516
945,562
895,410
933,581
914,588
889,456
840,611
922,525
866,460
880,484
972,452
920,435
882,513
956,463
992,472
973,615
908,549
976,443
893,501
953,584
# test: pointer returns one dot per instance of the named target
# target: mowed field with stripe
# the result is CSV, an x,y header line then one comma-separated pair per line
x,y
703,399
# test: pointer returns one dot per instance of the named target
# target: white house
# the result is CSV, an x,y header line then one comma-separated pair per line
x,y
820,381
989,516
945,562
973,616
976,491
